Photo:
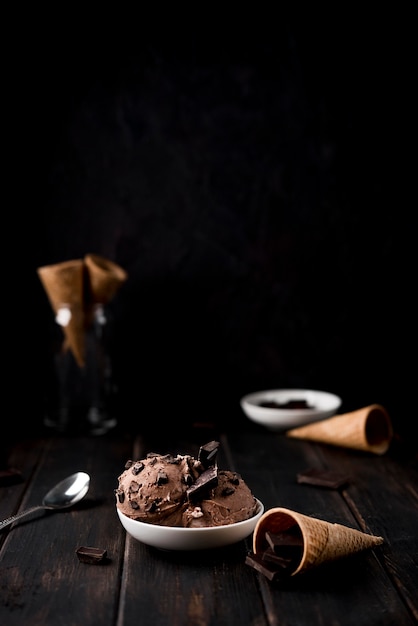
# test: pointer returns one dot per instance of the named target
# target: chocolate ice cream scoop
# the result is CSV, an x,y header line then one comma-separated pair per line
x,y
154,489
184,491
229,502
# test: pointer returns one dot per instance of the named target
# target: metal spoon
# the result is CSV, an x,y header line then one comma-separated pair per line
x,y
66,493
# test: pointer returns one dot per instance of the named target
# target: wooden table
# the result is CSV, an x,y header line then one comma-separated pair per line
x,y
43,583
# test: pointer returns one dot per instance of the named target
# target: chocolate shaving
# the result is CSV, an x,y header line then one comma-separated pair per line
x,y
93,556
322,478
208,453
206,480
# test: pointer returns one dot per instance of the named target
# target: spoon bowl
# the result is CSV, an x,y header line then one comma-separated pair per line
x,y
67,492
63,495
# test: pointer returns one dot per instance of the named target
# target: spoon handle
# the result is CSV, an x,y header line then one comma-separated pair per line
x,y
13,518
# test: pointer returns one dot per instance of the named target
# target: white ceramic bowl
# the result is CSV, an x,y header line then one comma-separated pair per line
x,y
171,538
321,405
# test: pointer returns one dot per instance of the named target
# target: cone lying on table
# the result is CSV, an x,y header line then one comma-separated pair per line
x,y
322,541
368,429
64,284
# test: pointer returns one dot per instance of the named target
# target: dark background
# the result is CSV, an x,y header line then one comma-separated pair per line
x,y
252,179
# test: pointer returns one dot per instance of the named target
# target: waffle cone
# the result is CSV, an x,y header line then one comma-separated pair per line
x,y
104,277
63,283
322,541
368,429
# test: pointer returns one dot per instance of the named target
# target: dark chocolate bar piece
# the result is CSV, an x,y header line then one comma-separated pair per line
x,y
10,476
207,453
285,543
278,561
270,571
93,556
322,478
206,480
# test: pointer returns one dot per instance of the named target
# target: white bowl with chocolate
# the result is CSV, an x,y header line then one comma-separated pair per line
x,y
282,409
179,502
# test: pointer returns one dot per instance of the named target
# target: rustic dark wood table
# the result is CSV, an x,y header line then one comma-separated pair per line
x,y
43,583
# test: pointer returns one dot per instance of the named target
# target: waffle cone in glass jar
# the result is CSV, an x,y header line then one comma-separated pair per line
x,y
322,541
104,278
368,429
64,285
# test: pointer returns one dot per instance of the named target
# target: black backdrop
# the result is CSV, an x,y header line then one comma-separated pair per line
x,y
251,181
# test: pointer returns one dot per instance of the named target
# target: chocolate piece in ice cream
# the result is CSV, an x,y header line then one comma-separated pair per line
x,y
230,501
208,453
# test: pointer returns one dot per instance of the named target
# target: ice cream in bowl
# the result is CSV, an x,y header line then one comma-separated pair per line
x,y
179,502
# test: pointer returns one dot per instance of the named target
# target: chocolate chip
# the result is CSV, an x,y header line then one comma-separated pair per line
x,y
228,491
128,464
187,479
322,478
120,494
93,556
151,507
234,479
134,505
162,478
134,487
137,467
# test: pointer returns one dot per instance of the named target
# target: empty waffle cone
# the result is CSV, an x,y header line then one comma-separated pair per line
x,y
368,429
322,541
105,278
63,283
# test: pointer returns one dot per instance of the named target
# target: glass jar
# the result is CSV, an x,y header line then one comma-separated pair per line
x,y
80,394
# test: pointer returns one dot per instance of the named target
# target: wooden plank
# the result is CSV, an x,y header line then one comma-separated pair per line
x,y
183,588
383,493
42,582
345,592
24,456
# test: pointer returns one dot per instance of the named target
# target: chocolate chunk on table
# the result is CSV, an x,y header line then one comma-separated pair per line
x,y
91,555
269,570
322,478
